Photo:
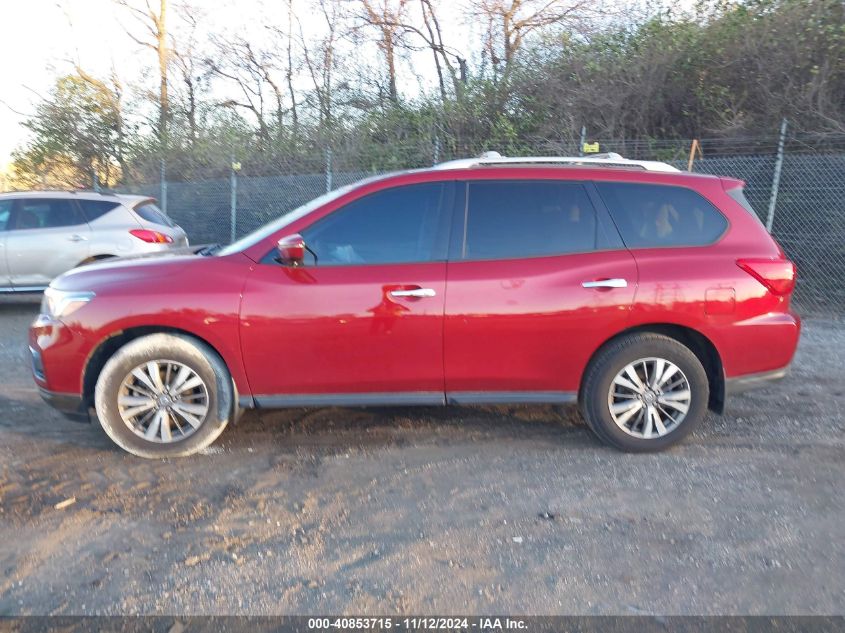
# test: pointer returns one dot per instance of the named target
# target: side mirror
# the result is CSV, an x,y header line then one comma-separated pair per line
x,y
291,249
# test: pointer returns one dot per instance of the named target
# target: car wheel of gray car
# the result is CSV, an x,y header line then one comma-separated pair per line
x,y
644,392
164,395
94,259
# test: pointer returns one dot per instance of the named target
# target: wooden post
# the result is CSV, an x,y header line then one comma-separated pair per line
x,y
695,146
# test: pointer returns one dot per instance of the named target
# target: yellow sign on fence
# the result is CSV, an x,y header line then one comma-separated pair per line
x,y
590,148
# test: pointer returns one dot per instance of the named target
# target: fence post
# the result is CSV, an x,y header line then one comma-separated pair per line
x,y
583,140
770,216
162,199
328,169
436,157
696,146
233,198
96,181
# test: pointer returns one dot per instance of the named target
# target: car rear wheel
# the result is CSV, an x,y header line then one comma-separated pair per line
x,y
164,395
644,392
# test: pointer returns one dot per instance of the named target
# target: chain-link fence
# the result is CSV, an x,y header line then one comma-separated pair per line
x,y
799,194
806,214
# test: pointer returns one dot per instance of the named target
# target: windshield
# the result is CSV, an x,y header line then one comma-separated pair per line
x,y
279,223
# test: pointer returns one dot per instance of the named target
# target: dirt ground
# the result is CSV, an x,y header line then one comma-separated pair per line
x,y
429,511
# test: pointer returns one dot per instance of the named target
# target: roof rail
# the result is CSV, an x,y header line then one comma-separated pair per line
x,y
609,159
102,192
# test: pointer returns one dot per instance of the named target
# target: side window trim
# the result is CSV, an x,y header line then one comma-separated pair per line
x,y
16,210
10,219
457,241
81,212
13,216
609,237
604,224
444,219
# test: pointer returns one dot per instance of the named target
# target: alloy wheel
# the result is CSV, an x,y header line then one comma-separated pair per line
x,y
649,398
163,401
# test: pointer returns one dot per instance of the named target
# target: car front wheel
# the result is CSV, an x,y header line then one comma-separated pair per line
x,y
644,392
164,395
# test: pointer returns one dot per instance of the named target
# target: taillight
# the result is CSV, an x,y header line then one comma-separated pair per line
x,y
778,275
151,237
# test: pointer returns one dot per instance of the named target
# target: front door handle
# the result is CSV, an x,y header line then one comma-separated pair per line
x,y
606,283
415,292
77,238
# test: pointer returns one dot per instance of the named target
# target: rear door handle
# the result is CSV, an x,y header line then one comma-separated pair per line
x,y
606,283
77,238
415,292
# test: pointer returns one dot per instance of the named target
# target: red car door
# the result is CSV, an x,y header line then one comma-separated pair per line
x,y
538,278
361,322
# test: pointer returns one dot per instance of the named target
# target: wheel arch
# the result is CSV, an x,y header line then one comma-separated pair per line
x,y
95,258
700,345
107,347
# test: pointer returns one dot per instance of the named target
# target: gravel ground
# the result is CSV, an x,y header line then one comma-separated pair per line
x,y
427,511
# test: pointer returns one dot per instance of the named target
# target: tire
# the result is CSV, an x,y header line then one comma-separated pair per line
x,y
629,427
211,387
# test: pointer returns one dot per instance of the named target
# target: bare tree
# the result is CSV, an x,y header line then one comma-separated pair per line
x,y
155,23
388,16
237,62
320,59
401,27
433,37
509,22
184,59
290,70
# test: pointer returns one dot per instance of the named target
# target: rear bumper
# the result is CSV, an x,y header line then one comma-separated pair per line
x,y
741,384
759,345
69,404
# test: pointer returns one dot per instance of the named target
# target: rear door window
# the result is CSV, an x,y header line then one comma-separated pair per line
x,y
513,219
151,213
46,213
94,209
661,215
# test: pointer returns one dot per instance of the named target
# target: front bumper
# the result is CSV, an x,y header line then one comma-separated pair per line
x,y
68,404
55,362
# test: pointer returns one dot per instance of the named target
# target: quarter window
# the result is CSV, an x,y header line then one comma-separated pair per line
x,y
151,213
46,213
392,226
661,215
507,219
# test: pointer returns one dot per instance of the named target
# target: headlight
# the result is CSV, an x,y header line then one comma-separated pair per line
x,y
61,303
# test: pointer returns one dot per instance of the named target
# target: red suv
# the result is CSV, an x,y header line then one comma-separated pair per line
x,y
644,294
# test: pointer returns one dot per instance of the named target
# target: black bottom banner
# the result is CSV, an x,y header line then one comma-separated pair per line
x,y
402,624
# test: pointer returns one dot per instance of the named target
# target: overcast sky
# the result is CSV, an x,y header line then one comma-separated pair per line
x,y
42,38
36,39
